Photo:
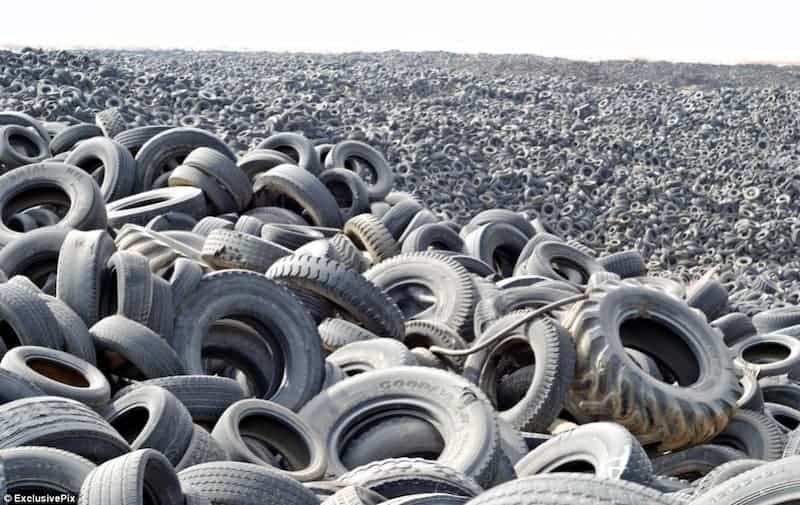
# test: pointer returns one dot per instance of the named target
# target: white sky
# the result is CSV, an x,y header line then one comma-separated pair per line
x,y
679,30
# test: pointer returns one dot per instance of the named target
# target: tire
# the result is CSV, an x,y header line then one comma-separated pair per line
x,y
447,283
398,436
226,174
280,431
13,387
276,215
646,363
34,255
346,252
559,261
176,221
160,248
492,308
368,234
249,225
202,449
67,138
135,138
754,434
428,499
353,495
771,321
258,161
205,396
39,471
373,354
608,450
397,477
345,153
521,266
110,122
771,355
118,166
435,236
143,476
152,417
420,219
571,488
497,244
237,483
55,184
81,265
210,223
752,397
424,334
142,207
658,412
400,215
708,295
296,189
345,288
333,374
554,355
144,353
624,263
59,374
735,327
515,219
291,332
470,433
184,278
292,237
128,287
695,462
219,200
232,249
20,146
27,317
298,148
348,189
152,159
336,333
26,121
775,482
723,473
60,423
787,417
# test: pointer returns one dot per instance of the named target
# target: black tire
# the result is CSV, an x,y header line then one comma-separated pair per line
x,y
421,333
226,174
152,417
420,219
276,215
59,374
626,264
34,255
354,155
346,252
348,495
770,321
249,225
752,397
398,436
368,234
292,237
109,162
210,223
60,423
26,121
298,148
42,471
13,387
771,355
787,417
298,190
554,355
688,348
127,289
560,261
219,200
397,477
201,449
428,499
143,476
250,425
521,266
735,327
237,483
20,146
470,433
770,483
723,473
571,488
54,184
491,308
400,215
373,354
81,265
607,450
708,295
754,434
67,138
436,236
177,221
258,161
205,396
695,462
448,288
232,249
348,189
132,350
110,122
185,275
142,207
286,329
497,244
515,219
335,333
27,318
135,138
345,288
173,145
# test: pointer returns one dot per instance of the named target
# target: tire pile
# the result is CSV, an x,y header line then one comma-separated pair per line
x,y
254,315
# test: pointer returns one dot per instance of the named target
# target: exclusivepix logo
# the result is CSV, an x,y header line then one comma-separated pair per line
x,y
30,499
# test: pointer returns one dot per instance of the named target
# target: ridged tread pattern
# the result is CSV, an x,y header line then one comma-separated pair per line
x,y
110,122
369,231
232,249
348,253
747,426
344,287
396,472
335,333
606,387
202,449
121,481
624,263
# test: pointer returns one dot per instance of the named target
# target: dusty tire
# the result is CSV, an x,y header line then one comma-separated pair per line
x,y
232,249
368,234
39,471
754,434
397,477
297,189
117,164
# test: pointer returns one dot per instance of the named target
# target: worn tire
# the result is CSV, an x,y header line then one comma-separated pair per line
x,y
143,476
294,188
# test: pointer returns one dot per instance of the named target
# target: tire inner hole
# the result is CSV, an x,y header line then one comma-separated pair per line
x,y
665,346
569,270
276,442
413,299
23,145
131,422
341,193
504,259
41,195
58,372
764,353
509,357
576,466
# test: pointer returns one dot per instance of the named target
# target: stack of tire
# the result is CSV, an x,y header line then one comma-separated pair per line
x,y
181,325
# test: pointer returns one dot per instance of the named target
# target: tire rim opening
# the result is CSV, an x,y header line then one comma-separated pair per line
x,y
574,466
765,353
341,193
130,423
275,442
665,346
23,145
412,298
45,195
507,357
569,270
58,372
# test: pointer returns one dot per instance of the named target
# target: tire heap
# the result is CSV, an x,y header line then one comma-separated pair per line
x,y
184,323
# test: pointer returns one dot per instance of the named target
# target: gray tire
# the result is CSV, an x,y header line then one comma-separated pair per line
x,y
143,476
112,163
290,186
32,471
373,354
